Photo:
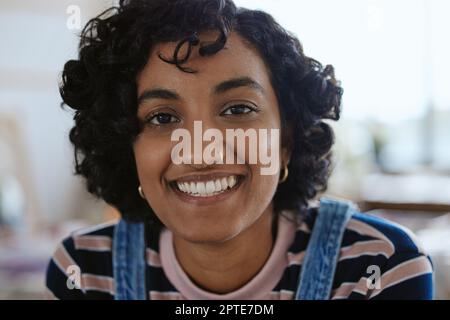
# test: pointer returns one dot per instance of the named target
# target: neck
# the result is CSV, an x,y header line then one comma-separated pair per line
x,y
225,267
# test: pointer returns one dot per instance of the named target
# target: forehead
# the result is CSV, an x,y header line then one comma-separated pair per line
x,y
237,58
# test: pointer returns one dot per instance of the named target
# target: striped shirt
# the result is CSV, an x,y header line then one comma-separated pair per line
x,y
370,246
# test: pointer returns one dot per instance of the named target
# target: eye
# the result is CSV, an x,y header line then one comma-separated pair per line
x,y
238,109
161,119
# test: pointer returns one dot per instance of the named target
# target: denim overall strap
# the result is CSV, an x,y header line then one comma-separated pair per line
x,y
318,267
129,261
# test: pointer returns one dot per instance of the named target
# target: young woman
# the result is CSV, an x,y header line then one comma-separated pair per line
x,y
209,228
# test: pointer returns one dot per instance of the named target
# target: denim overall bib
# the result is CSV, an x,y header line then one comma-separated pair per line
x,y
315,279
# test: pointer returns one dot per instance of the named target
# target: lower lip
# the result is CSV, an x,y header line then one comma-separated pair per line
x,y
199,200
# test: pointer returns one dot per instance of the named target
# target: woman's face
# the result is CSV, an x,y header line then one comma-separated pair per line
x,y
182,195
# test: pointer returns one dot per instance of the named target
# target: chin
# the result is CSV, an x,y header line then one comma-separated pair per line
x,y
207,235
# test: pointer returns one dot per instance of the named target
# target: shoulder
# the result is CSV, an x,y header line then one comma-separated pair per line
x,y
391,237
86,242
380,259
85,256
96,238
369,231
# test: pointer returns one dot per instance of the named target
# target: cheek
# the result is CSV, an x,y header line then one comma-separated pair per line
x,y
265,174
152,158
262,187
268,154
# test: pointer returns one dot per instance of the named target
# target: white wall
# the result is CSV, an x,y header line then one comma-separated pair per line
x,y
35,43
390,55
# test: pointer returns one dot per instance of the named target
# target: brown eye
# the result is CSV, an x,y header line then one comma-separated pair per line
x,y
162,118
238,109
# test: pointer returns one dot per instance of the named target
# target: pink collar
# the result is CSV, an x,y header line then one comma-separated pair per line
x,y
258,288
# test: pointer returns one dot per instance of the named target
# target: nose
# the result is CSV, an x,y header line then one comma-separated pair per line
x,y
207,145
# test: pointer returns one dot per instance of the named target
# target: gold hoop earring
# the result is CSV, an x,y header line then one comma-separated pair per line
x,y
141,193
285,175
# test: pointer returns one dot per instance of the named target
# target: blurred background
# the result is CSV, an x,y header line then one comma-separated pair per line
x,y
392,154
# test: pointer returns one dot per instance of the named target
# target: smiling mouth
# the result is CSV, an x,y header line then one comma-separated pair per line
x,y
209,188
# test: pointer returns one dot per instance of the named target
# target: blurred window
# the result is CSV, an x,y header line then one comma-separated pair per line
x,y
392,59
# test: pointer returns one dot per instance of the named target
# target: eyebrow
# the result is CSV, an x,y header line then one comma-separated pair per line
x,y
237,83
161,93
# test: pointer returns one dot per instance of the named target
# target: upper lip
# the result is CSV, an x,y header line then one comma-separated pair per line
x,y
206,176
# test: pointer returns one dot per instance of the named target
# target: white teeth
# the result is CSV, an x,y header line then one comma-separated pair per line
x,y
208,188
218,185
201,188
224,183
193,187
231,181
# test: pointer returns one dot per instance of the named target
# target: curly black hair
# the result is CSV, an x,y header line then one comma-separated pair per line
x,y
114,47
